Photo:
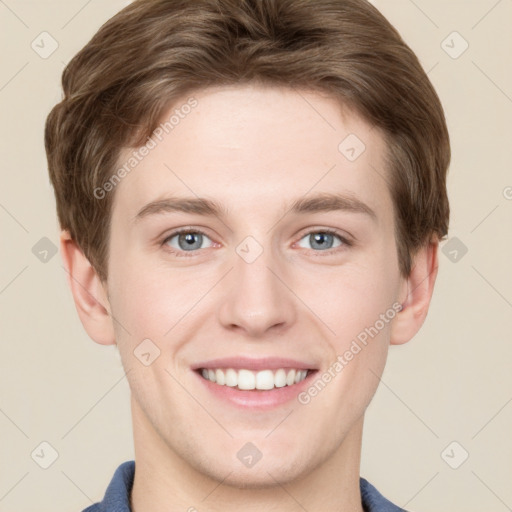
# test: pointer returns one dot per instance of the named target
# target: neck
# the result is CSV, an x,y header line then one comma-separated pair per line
x,y
165,482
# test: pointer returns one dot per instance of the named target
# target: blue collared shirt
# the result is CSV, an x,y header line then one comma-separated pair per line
x,y
117,496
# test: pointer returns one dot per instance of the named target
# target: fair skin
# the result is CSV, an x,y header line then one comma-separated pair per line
x,y
255,151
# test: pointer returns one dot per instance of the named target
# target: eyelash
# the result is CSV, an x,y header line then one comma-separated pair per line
x,y
328,252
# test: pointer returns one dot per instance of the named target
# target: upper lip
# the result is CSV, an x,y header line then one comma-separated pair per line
x,y
256,364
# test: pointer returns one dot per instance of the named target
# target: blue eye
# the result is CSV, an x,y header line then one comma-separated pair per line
x,y
186,240
323,240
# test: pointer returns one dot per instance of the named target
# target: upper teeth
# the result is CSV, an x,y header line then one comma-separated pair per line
x,y
247,379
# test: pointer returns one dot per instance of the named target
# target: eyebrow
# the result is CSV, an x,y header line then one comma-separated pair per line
x,y
319,203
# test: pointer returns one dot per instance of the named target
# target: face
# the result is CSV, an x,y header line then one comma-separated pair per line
x,y
285,262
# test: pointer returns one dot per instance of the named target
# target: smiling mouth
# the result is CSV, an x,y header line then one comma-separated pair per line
x,y
247,380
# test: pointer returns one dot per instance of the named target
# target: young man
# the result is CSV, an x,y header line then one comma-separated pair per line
x,y
251,195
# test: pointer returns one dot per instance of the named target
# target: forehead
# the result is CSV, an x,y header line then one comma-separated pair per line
x,y
256,147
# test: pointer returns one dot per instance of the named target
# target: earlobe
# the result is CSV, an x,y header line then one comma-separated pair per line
x,y
88,293
416,294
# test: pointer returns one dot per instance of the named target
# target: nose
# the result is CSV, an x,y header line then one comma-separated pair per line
x,y
256,298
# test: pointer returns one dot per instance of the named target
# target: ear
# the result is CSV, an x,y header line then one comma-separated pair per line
x,y
415,294
88,292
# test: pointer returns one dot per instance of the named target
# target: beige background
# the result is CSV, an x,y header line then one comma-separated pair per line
x,y
451,383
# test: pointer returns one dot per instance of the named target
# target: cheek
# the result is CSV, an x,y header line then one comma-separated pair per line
x,y
352,298
150,301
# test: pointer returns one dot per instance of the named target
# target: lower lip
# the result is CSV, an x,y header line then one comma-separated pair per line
x,y
257,399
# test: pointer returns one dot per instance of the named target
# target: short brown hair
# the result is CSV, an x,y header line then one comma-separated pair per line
x,y
154,51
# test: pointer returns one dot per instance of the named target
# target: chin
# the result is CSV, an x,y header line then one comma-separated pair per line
x,y
269,470
266,476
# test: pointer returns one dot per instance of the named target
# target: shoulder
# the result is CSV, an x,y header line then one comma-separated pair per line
x,y
117,495
374,501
